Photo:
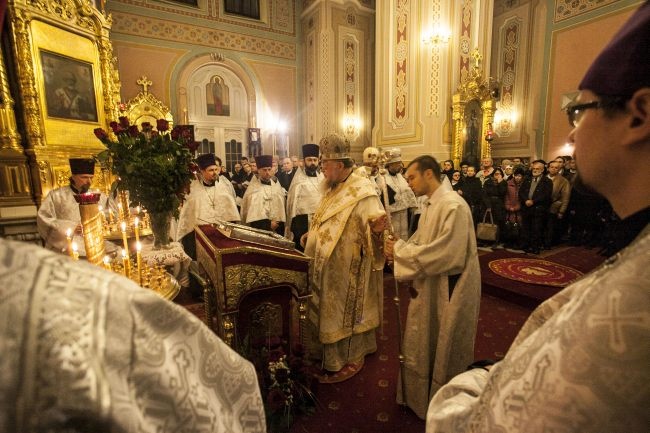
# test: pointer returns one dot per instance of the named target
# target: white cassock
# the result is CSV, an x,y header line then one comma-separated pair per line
x,y
580,363
263,202
303,198
60,212
207,205
366,172
441,320
85,349
404,200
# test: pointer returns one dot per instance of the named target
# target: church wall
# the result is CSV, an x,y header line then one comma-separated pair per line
x,y
161,39
338,66
574,45
540,51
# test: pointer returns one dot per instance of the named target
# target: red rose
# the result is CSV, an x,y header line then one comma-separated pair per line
x,y
162,125
146,126
115,127
176,133
124,122
101,134
192,145
133,131
276,354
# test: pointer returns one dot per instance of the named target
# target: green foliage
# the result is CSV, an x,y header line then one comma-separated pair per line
x,y
154,166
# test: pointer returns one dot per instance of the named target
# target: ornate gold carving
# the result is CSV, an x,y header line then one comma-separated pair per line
x,y
265,320
474,88
66,28
145,107
9,137
228,326
22,54
240,279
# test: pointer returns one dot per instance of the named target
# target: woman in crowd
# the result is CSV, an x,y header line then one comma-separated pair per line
x,y
512,205
494,191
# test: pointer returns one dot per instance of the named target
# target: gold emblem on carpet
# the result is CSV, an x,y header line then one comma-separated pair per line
x,y
535,271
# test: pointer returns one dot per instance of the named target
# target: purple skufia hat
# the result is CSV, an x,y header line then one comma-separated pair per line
x,y
206,160
623,66
82,165
310,149
264,161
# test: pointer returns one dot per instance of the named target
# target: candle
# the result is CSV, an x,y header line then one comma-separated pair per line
x,y
75,251
110,216
107,263
119,210
101,214
136,223
68,236
125,262
138,258
124,240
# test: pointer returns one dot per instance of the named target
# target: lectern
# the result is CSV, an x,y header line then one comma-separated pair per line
x,y
259,284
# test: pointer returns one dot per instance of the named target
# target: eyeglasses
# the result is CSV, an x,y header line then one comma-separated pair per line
x,y
574,112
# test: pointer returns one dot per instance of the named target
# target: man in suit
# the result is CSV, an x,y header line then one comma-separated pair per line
x,y
535,197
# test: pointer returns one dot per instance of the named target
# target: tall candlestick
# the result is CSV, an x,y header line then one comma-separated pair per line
x,y
75,251
68,236
138,258
107,263
136,223
125,263
124,240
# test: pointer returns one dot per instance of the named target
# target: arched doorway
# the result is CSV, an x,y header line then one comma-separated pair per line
x,y
218,98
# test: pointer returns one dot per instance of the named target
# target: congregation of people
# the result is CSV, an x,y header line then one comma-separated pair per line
x,y
106,355
535,205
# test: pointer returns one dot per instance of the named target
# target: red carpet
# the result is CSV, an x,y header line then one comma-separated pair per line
x,y
535,271
366,402
531,295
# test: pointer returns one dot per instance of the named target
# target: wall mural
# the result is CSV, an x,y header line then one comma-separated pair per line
x,y
217,97
465,39
69,87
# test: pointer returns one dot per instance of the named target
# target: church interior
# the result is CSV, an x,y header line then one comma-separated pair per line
x,y
429,77
454,79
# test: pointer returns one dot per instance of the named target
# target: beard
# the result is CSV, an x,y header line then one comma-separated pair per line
x,y
84,188
310,170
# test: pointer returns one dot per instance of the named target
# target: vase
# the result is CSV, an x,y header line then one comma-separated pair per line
x,y
160,226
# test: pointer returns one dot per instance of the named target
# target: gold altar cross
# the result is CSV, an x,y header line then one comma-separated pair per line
x,y
145,83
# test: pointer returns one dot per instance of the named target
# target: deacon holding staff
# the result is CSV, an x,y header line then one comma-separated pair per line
x,y
263,204
304,195
211,199
443,312
58,217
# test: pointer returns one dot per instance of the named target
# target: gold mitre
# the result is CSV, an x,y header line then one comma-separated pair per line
x,y
334,146
393,155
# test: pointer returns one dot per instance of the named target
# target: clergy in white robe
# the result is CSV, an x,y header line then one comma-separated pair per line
x,y
403,199
87,350
344,242
263,204
581,362
211,199
442,261
59,212
304,195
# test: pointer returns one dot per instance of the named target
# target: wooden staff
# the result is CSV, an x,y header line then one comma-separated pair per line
x,y
388,234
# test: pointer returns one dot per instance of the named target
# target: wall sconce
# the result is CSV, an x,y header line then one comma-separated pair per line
x,y
351,126
436,36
